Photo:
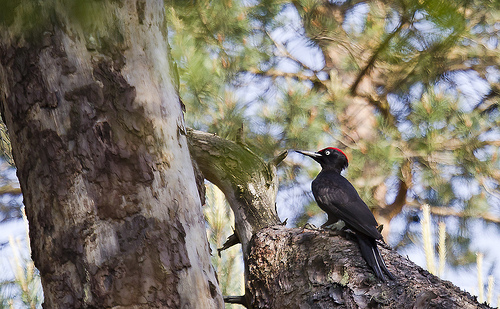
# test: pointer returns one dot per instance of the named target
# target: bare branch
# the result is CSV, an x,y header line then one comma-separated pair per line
x,y
273,73
446,211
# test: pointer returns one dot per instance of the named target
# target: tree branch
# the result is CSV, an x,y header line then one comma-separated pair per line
x,y
318,269
314,268
10,189
445,211
374,56
249,184
391,210
273,73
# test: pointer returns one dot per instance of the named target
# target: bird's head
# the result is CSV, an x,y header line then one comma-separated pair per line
x,y
329,158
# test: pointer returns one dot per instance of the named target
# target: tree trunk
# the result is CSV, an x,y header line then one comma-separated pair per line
x,y
98,138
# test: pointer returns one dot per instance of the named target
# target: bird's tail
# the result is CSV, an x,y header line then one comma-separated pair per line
x,y
371,254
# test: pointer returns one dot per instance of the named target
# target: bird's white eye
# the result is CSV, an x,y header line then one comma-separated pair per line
x,y
327,152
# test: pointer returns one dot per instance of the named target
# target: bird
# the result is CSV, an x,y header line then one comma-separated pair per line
x,y
336,196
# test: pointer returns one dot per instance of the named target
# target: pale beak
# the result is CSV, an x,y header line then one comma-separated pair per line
x,y
309,153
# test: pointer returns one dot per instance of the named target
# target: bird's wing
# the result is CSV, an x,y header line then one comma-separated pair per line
x,y
337,197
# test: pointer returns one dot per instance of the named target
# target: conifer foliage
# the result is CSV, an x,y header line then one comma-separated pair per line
x,y
409,89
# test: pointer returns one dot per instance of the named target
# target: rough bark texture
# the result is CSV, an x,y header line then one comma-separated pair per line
x,y
301,268
98,139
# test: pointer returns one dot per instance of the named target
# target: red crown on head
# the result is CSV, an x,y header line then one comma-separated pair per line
x,y
333,148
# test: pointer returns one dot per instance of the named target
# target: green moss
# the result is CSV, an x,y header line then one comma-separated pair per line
x,y
30,18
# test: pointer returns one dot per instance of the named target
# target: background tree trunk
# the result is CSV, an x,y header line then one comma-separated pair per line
x,y
98,138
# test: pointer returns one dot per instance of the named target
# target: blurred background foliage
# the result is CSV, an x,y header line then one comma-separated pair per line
x,y
408,89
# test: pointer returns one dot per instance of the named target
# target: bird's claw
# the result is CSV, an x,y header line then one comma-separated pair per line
x,y
337,226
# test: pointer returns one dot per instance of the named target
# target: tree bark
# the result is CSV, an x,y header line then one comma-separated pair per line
x,y
301,268
98,138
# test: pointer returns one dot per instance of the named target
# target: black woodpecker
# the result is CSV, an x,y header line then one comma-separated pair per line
x,y
337,197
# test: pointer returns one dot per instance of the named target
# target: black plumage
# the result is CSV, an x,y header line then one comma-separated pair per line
x,y
337,197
